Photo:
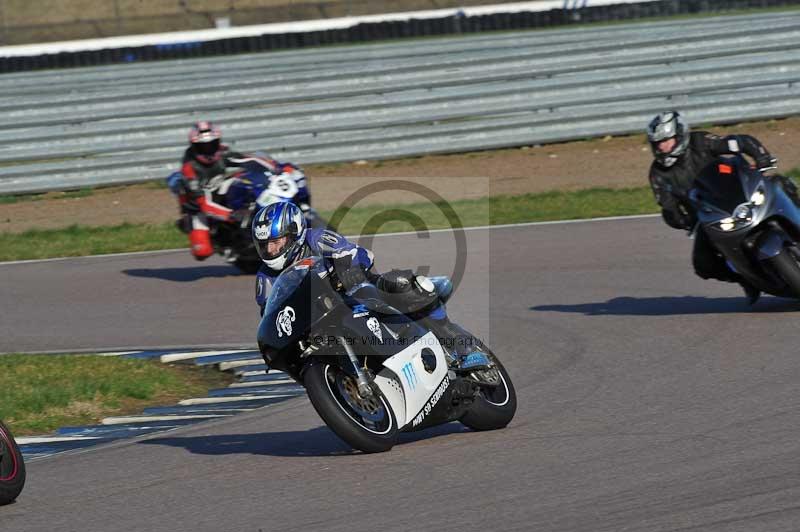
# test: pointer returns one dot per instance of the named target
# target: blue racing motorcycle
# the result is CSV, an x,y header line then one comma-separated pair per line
x,y
246,191
752,222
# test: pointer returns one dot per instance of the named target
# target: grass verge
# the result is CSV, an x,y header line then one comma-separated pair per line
x,y
558,205
39,393
78,241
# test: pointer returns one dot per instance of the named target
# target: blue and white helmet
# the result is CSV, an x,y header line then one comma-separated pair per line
x,y
279,232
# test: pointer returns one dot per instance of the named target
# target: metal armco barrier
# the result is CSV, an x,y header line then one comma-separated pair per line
x,y
74,128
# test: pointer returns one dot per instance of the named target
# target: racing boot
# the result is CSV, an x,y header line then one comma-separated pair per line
x,y
229,255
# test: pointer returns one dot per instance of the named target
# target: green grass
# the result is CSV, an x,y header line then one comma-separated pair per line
x,y
39,393
557,205
79,241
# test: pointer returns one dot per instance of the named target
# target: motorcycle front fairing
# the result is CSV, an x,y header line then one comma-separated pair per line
x,y
746,216
415,376
245,188
410,365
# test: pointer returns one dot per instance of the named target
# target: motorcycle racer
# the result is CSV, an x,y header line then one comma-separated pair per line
x,y
203,171
281,238
681,156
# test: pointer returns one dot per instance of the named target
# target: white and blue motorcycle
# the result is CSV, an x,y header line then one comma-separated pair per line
x,y
370,371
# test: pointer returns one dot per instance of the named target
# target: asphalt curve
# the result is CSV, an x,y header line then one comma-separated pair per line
x,y
649,400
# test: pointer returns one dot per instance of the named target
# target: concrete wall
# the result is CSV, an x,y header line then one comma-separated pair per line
x,y
31,21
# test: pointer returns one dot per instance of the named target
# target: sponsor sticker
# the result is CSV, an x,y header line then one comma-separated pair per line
x,y
375,326
410,375
262,232
283,323
432,401
359,311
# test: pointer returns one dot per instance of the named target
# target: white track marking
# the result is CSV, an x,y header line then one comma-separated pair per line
x,y
215,400
189,355
255,373
52,439
475,228
225,366
150,419
258,384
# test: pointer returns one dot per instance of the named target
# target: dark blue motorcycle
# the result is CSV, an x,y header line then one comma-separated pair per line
x,y
752,222
372,372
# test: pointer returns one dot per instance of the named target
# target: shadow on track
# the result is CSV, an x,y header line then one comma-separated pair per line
x,y
185,275
319,441
672,306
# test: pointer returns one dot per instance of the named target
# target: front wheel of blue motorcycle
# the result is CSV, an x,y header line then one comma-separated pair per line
x,y
787,266
495,405
366,423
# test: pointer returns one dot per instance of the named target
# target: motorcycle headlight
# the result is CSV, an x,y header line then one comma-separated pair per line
x,y
743,213
726,224
742,216
758,197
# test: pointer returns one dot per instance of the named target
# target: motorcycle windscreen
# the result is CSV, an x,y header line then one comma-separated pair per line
x,y
721,186
247,186
289,310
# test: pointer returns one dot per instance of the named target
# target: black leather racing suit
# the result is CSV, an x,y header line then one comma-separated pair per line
x,y
671,186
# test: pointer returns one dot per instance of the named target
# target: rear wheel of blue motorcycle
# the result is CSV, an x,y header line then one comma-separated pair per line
x,y
12,467
787,265
367,424
494,407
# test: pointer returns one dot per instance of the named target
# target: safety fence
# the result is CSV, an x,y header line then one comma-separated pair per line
x,y
64,129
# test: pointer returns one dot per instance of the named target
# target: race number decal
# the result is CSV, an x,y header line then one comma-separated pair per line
x,y
283,186
330,238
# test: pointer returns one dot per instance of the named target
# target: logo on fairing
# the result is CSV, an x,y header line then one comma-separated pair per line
x,y
375,326
410,375
284,321
359,311
432,402
260,288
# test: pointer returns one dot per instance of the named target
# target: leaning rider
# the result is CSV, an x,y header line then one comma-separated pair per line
x,y
205,159
281,238
680,157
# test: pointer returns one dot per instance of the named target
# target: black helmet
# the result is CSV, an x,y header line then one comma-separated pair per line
x,y
664,126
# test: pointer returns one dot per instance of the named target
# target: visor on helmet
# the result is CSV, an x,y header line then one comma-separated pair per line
x,y
270,247
665,146
206,148
273,247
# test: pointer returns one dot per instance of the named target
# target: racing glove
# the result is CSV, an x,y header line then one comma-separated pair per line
x,y
766,162
239,217
348,274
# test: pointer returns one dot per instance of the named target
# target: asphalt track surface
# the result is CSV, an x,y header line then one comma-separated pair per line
x,y
649,400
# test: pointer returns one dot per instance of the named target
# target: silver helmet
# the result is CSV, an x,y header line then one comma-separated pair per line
x,y
667,125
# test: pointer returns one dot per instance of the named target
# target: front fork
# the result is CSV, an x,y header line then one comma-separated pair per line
x,y
364,389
